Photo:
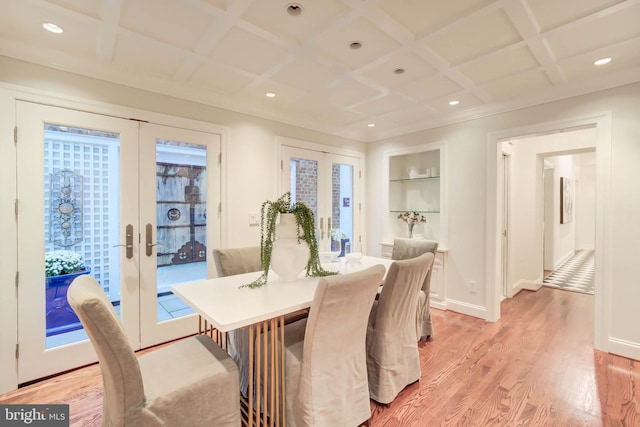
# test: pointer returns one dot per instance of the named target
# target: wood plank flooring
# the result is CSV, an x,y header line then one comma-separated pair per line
x,y
535,367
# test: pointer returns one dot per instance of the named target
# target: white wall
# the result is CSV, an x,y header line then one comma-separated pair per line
x,y
472,167
586,201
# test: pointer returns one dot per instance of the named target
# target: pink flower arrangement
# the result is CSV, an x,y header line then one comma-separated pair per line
x,y
411,218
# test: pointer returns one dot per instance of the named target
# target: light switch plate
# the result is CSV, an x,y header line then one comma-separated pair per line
x,y
254,218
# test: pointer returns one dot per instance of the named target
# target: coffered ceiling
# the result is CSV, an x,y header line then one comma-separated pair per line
x,y
415,56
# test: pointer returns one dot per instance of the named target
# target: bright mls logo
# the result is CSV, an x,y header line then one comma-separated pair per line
x,y
34,415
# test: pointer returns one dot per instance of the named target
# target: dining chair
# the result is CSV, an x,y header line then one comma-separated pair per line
x,y
189,382
404,248
325,365
393,360
232,261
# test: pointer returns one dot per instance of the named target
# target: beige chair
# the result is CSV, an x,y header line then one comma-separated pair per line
x,y
325,366
404,248
232,261
189,382
393,361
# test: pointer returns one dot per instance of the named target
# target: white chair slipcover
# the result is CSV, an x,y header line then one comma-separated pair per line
x,y
190,382
404,248
393,361
325,367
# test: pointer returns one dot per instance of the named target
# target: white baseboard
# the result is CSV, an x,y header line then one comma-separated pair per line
x,y
440,305
466,308
623,348
528,285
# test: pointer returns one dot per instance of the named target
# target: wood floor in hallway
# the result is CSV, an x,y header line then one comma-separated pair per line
x,y
535,367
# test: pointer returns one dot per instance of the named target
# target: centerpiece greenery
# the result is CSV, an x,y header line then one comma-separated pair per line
x,y
306,232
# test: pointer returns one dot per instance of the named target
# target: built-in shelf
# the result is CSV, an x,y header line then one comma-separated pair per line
x,y
432,178
413,210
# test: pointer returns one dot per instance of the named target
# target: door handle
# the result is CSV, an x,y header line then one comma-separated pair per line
x,y
128,241
149,239
329,229
321,228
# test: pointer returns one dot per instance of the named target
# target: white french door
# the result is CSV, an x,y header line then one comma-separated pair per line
x,y
131,199
329,184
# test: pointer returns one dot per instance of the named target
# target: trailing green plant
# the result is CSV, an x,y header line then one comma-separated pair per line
x,y
306,231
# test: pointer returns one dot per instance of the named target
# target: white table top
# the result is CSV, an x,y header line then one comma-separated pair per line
x,y
227,307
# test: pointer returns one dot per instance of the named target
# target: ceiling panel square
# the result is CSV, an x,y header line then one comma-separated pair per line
x,y
505,62
145,56
22,22
256,94
408,116
247,51
342,117
594,34
349,92
625,55
306,74
383,104
179,24
218,78
468,101
516,85
553,13
220,4
478,36
316,16
375,43
424,16
430,87
414,68
86,7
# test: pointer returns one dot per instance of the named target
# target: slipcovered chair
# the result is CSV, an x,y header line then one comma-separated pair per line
x,y
189,382
232,261
393,361
404,248
229,262
326,366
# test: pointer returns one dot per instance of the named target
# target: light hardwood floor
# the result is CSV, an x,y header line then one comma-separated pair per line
x,y
535,367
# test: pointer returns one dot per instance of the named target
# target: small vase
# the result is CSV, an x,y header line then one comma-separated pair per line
x,y
410,225
288,256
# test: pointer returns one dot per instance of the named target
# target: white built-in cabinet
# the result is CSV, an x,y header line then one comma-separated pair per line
x,y
416,182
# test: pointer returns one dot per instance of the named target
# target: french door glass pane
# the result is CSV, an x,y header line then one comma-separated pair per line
x,y
304,183
341,204
81,221
181,206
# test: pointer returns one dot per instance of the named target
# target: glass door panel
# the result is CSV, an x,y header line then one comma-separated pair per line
x,y
326,182
81,221
177,193
72,211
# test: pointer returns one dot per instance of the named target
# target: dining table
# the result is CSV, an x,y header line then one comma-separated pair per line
x,y
228,305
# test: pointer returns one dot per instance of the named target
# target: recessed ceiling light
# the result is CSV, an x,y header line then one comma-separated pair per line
x,y
602,61
270,95
50,26
371,125
355,45
294,9
454,102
